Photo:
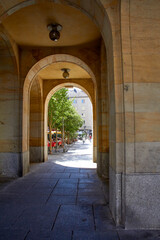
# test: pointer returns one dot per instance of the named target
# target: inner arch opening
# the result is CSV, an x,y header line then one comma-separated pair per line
x,y
39,89
80,147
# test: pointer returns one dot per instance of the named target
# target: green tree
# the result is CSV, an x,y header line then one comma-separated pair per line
x,y
56,108
72,123
61,113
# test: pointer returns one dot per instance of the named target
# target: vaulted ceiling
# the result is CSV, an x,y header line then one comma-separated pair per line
x,y
28,26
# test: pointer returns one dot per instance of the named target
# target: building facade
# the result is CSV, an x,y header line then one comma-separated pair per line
x,y
83,106
113,50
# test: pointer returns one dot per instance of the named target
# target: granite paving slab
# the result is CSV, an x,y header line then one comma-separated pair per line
x,y
9,213
79,175
64,191
73,180
59,202
72,170
103,218
37,218
89,180
91,200
66,185
108,235
138,235
90,191
90,185
73,217
9,234
60,175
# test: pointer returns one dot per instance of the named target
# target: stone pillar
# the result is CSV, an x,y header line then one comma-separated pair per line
x,y
141,71
103,122
94,137
10,113
36,148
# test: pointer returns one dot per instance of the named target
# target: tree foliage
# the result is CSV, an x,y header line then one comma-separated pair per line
x,y
61,111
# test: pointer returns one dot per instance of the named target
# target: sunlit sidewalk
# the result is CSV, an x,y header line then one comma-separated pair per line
x,y
79,156
61,199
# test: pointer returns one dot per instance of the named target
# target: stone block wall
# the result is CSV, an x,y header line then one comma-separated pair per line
x,y
141,70
131,33
10,126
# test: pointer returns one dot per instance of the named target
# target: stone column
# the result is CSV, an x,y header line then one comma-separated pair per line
x,y
36,148
141,71
103,122
10,113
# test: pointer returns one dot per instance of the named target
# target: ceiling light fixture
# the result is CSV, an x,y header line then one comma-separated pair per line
x,y
65,72
54,31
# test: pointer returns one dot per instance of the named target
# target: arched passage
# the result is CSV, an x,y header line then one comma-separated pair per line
x,y
106,17
90,92
26,91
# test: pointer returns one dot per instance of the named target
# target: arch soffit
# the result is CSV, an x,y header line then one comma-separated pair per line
x,y
59,86
93,9
7,43
43,63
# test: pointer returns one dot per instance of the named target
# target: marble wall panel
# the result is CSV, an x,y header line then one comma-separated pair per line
x,y
142,206
129,160
147,127
127,65
147,47
10,145
36,154
120,127
125,158
147,157
125,28
146,67
104,138
36,142
147,97
119,98
115,195
112,155
25,163
145,19
119,167
10,164
118,70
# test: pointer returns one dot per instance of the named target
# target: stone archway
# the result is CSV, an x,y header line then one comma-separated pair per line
x,y
106,17
26,95
89,90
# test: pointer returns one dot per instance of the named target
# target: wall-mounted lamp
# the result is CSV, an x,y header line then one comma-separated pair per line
x,y
65,72
54,29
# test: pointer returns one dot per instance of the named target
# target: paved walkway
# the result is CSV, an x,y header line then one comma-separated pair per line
x,y
61,199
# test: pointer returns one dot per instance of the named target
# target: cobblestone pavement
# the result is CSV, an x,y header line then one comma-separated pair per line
x,y
61,199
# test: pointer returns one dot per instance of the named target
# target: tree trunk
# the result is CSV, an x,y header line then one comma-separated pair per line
x,y
56,139
50,138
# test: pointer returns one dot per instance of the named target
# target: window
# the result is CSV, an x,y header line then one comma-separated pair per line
x,y
74,101
83,100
